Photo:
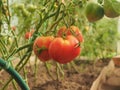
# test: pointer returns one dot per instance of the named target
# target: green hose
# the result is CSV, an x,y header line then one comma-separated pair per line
x,y
5,65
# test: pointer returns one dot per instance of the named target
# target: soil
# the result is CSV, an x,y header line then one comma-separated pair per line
x,y
82,79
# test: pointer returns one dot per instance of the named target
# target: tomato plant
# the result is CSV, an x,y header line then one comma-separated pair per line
x,y
40,47
46,16
64,50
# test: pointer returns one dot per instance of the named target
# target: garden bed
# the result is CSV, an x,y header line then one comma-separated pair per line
x,y
88,72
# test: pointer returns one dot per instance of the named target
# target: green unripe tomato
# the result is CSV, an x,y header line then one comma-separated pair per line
x,y
94,11
20,6
31,8
111,8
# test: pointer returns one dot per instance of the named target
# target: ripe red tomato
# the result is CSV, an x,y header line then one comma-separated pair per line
x,y
76,32
40,47
72,30
64,50
61,31
29,34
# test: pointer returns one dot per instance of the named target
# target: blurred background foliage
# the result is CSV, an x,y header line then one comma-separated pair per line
x,y
100,38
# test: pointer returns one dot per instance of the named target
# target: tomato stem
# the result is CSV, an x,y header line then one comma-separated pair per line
x,y
74,66
47,68
60,70
35,68
14,85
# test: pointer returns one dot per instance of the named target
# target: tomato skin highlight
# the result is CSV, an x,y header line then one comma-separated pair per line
x,y
72,30
40,47
64,50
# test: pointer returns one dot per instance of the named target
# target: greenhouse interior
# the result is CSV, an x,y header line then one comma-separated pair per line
x,y
59,44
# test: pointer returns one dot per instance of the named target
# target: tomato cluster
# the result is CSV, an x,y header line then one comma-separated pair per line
x,y
63,48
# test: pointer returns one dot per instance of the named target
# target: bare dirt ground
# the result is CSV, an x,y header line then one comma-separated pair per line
x,y
88,72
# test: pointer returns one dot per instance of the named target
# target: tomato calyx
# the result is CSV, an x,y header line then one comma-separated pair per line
x,y
77,45
39,50
40,47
